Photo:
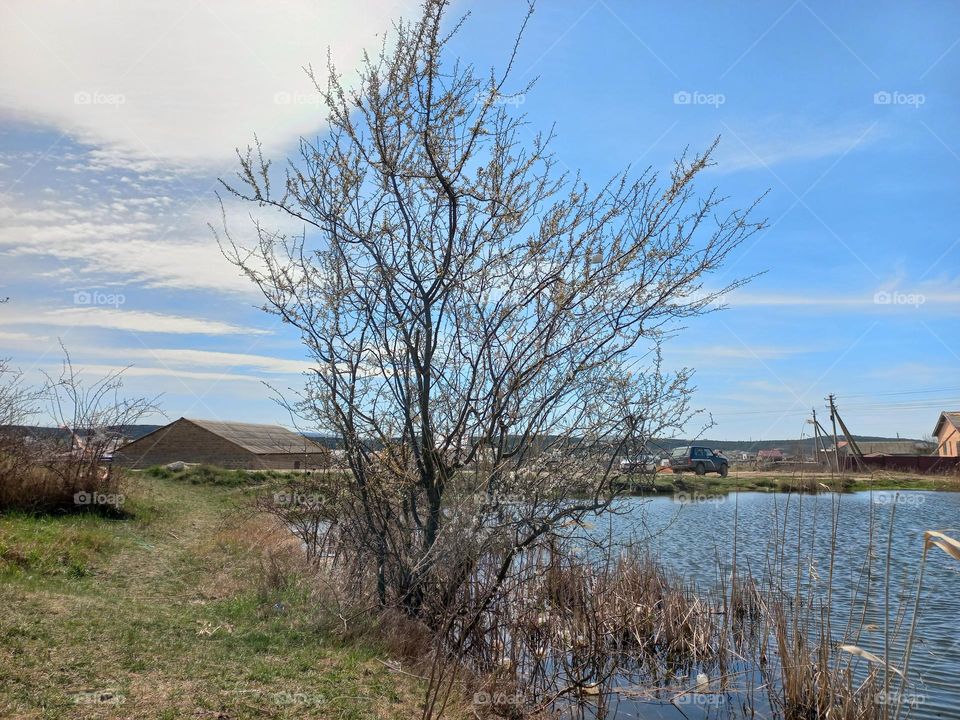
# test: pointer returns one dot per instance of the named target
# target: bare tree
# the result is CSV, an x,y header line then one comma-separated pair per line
x,y
485,329
18,401
41,469
94,415
18,405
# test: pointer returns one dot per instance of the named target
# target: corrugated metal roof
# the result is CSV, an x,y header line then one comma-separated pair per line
x,y
891,447
951,417
259,439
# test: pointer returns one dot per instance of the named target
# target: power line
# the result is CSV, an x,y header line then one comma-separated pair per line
x,y
902,392
905,405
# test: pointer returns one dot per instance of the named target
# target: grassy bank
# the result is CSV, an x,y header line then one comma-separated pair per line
x,y
170,613
772,481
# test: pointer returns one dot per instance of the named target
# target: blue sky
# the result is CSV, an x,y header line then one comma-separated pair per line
x,y
117,118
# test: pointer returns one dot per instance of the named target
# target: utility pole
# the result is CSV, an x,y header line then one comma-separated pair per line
x,y
836,444
851,443
819,451
823,444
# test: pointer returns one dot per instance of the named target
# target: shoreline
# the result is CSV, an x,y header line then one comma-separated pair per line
x,y
666,483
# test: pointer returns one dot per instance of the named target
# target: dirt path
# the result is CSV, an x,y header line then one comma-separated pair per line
x,y
170,615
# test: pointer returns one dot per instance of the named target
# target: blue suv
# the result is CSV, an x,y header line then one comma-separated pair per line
x,y
698,459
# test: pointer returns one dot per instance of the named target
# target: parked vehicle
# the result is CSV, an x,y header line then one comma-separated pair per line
x,y
641,463
698,459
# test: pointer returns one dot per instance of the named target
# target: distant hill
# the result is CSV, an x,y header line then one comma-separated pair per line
x,y
322,440
133,432
805,445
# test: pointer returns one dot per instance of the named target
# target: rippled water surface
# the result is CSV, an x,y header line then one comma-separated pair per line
x,y
695,538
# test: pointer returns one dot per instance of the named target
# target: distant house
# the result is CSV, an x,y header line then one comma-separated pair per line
x,y
225,444
91,443
947,432
774,455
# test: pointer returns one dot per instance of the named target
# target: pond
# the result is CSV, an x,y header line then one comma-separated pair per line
x,y
698,538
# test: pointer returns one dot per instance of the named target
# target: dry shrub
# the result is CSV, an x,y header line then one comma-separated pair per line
x,y
47,488
306,506
569,630
18,456
812,679
403,636
67,468
571,633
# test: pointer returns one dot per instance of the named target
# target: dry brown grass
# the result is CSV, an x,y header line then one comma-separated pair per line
x,y
192,609
569,631
57,488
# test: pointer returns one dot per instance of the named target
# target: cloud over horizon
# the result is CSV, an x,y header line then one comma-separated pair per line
x,y
168,84
117,118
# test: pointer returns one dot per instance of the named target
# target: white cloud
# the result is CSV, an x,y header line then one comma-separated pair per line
x,y
777,142
178,84
180,357
920,296
18,337
115,319
136,371
134,241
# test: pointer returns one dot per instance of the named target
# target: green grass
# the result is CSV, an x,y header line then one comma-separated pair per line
x,y
53,546
901,481
169,613
772,481
210,475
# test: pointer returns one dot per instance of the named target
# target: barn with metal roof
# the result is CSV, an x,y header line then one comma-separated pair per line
x,y
224,444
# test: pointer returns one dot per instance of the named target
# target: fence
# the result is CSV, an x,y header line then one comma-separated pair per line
x,y
923,464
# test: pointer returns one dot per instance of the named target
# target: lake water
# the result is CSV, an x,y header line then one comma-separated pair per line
x,y
694,538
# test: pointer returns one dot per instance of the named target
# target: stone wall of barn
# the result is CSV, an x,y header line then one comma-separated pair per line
x,y
186,442
294,461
